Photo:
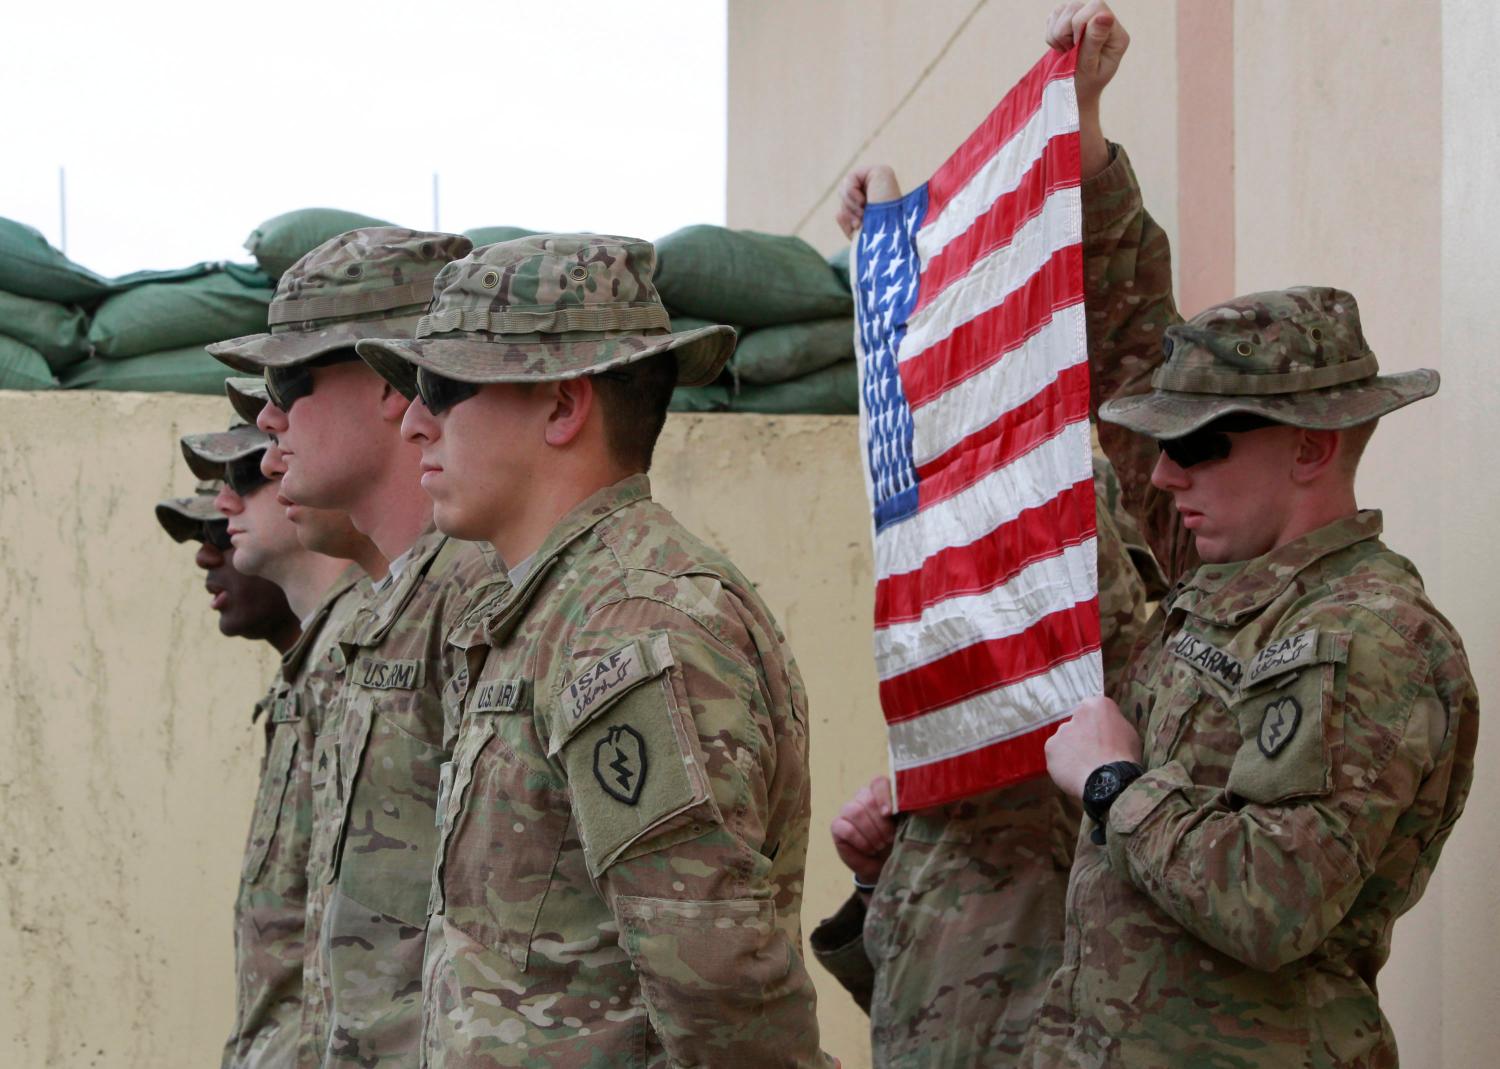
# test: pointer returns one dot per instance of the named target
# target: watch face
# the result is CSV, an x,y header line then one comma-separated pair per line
x,y
1106,783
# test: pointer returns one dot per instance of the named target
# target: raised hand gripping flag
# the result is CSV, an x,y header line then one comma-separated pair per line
x,y
974,395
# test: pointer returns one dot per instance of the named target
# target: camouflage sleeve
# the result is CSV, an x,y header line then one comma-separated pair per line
x,y
839,945
680,788
1331,764
1128,296
1122,593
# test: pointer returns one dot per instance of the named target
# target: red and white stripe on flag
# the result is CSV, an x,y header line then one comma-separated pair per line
x,y
974,429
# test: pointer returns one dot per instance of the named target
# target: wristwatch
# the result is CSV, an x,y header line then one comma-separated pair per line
x,y
1102,788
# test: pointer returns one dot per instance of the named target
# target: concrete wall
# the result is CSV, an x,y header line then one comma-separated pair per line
x,y
129,768
1279,143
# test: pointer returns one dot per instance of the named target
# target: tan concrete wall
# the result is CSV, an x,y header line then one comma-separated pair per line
x,y
129,768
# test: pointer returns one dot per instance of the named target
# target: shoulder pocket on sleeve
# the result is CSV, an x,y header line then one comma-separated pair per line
x,y
1288,727
625,735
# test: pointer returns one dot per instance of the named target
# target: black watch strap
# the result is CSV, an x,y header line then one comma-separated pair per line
x,y
1101,789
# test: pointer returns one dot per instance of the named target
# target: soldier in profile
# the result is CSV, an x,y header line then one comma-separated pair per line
x,y
1296,734
623,840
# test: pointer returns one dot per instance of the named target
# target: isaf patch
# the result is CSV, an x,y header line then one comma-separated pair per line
x,y
1284,655
1209,659
620,763
1279,725
616,671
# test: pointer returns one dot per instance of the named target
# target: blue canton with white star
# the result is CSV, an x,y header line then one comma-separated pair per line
x,y
886,293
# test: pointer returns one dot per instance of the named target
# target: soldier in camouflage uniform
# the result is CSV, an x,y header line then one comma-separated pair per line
x,y
1297,732
270,909
375,776
625,825
951,952
248,606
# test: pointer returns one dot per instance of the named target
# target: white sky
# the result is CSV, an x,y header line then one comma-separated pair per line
x,y
182,125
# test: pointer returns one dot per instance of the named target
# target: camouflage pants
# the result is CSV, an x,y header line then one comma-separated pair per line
x,y
966,927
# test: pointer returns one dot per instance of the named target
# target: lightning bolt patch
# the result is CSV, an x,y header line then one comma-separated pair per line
x,y
620,763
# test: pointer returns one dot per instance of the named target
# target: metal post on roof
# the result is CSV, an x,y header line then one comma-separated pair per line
x,y
62,207
435,223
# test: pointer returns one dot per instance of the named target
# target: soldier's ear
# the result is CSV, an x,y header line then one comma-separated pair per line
x,y
571,401
393,404
1317,454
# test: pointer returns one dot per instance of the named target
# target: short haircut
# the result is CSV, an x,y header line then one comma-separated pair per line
x,y
1353,445
634,399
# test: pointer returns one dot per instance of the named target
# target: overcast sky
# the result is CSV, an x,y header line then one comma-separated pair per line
x,y
182,125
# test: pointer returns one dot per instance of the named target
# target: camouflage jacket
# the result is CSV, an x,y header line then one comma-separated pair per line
x,y
620,876
1308,721
965,926
376,775
270,909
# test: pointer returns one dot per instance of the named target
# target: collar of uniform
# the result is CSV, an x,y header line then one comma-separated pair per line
x,y
375,618
267,701
1224,593
291,661
582,519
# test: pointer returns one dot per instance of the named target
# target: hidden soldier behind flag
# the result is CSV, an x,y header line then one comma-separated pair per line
x,y
1296,736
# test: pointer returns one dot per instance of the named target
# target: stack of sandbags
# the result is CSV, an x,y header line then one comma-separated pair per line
x,y
149,334
792,308
43,294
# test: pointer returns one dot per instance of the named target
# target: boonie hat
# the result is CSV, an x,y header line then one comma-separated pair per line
x,y
247,397
208,455
548,307
374,282
183,517
1295,356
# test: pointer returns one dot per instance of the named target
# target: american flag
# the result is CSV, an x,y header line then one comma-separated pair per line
x,y
974,428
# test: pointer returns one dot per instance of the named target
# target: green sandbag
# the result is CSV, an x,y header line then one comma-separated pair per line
x,y
780,354
283,240
683,323
834,391
58,331
32,268
22,368
172,315
839,261
189,370
488,235
710,398
741,276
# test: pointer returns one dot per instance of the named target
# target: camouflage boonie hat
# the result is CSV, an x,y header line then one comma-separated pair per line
x,y
1295,356
374,282
208,454
247,397
184,517
548,307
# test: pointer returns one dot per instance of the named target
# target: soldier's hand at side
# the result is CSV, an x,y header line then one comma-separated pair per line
x,y
1096,735
859,187
865,829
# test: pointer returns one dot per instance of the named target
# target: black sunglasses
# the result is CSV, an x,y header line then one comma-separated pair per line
x,y
216,534
1211,441
244,476
440,393
285,386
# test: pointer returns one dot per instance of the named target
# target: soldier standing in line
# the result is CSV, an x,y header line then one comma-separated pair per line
x,y
270,908
248,606
620,873
1297,733
955,926
377,769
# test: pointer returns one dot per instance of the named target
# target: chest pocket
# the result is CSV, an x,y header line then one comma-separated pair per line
x,y
1288,728
270,799
388,784
1161,719
505,821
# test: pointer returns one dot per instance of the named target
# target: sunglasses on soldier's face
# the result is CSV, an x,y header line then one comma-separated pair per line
x,y
440,393
244,476
1211,441
216,534
285,386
